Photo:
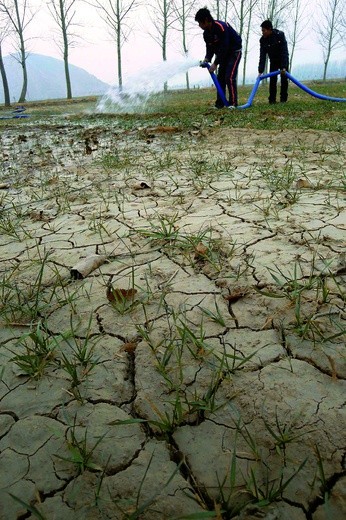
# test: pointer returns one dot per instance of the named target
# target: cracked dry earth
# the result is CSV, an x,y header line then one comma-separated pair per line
x,y
173,323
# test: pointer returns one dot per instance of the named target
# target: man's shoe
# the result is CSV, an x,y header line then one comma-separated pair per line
x,y
272,102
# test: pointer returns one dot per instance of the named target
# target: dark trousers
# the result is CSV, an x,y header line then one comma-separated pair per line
x,y
274,65
227,76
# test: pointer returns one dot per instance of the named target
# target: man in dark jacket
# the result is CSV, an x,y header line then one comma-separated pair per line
x,y
223,42
274,45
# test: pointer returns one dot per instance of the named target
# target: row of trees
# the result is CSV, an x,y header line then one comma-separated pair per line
x,y
167,16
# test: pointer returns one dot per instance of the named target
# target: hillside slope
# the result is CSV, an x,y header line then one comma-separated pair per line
x,y
46,79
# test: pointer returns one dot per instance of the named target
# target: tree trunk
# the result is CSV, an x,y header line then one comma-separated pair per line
x,y
120,73
329,47
67,70
19,30
66,49
25,79
187,80
4,81
185,49
293,48
68,79
246,48
164,50
327,56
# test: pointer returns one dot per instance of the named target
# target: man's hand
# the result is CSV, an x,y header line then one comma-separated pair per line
x,y
212,68
282,72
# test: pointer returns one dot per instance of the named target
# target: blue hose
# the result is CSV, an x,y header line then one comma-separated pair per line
x,y
311,92
221,93
256,85
17,113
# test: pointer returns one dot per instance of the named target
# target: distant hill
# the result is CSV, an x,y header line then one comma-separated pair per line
x,y
46,79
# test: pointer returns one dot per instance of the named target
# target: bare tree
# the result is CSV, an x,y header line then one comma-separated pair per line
x,y
182,9
19,15
275,10
243,11
343,28
222,9
4,30
329,28
115,13
63,12
163,16
218,9
296,31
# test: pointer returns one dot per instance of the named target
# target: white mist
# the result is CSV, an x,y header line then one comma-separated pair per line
x,y
139,87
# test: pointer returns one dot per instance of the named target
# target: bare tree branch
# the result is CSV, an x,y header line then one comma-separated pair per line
x,y
329,28
278,11
4,32
115,13
163,17
20,16
297,31
63,13
244,10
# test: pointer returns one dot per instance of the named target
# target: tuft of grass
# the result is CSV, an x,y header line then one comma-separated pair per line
x,y
165,230
29,508
81,453
38,348
270,490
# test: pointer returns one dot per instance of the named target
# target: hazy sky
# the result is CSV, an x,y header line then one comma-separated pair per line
x,y
96,53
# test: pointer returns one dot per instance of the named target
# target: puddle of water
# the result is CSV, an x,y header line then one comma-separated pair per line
x,y
139,88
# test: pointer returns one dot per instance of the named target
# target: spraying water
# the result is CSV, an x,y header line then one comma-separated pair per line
x,y
140,87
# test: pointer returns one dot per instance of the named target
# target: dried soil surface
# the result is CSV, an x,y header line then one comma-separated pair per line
x,y
187,289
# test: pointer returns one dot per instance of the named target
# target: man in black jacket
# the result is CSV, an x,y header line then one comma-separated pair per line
x,y
225,43
274,45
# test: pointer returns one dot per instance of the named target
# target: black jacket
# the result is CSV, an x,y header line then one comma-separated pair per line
x,y
275,46
222,40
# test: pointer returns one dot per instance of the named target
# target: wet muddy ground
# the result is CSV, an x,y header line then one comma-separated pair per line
x,y
173,322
